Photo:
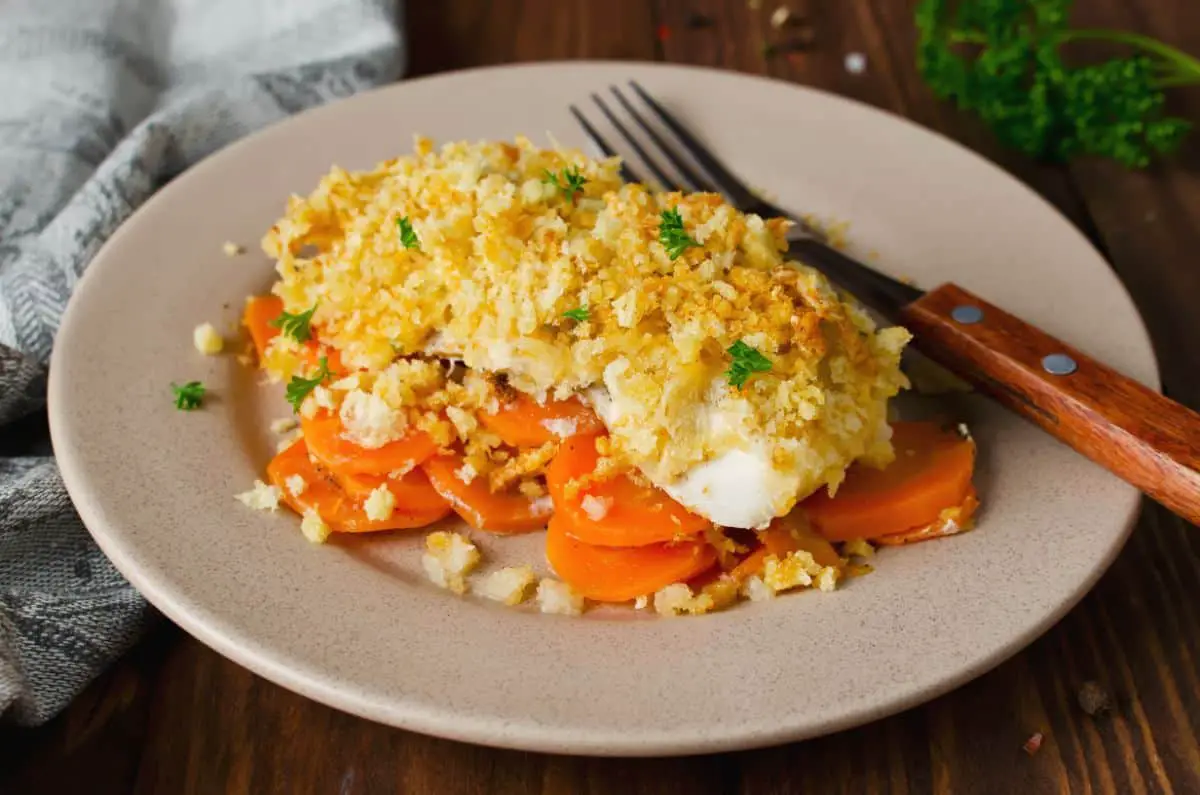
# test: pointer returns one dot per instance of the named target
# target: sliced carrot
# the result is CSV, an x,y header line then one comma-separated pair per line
x,y
323,433
932,472
314,351
633,515
416,497
785,535
805,538
341,512
608,574
261,310
950,522
523,422
506,513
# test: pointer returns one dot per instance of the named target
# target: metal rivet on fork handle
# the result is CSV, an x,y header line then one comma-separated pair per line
x,y
967,314
1059,364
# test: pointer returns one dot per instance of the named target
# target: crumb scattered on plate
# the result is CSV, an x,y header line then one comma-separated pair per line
x,y
207,339
509,585
555,596
314,527
449,557
261,497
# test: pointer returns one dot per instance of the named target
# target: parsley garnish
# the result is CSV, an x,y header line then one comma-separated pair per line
x,y
299,388
1003,61
407,236
581,314
188,396
672,234
569,181
295,326
746,362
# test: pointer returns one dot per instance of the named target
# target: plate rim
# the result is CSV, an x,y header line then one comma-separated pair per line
x,y
482,729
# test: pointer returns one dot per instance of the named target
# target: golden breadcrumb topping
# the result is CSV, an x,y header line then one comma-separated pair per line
x,y
469,252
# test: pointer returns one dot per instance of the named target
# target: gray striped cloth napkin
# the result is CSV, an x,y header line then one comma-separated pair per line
x,y
104,102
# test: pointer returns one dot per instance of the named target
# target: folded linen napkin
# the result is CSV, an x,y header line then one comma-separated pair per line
x,y
104,102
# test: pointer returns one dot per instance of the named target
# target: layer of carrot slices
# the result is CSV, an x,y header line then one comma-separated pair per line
x,y
417,503
505,512
624,514
324,433
611,574
931,473
416,498
523,422
613,539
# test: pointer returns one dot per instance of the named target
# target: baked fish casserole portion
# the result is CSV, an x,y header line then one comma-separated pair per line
x,y
514,335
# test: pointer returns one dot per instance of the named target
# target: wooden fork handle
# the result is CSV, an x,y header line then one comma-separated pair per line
x,y
1146,439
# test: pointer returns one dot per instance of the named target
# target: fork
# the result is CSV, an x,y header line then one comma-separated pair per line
x,y
1143,437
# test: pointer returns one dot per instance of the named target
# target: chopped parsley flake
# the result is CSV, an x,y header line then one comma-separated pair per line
x,y
672,235
299,388
569,181
295,326
189,396
407,236
581,314
746,362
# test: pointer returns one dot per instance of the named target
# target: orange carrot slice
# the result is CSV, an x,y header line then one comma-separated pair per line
x,y
932,472
949,522
314,351
797,525
416,497
261,310
506,513
523,422
609,574
341,512
323,434
785,535
622,513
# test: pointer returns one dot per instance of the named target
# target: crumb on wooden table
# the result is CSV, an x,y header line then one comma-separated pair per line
x,y
1033,744
1093,698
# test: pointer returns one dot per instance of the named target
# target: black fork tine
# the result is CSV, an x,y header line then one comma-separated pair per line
x,y
730,185
663,178
627,174
698,182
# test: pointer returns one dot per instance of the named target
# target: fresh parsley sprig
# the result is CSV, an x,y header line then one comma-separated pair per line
x,y
1001,60
580,313
672,235
746,362
295,326
189,396
408,235
568,181
299,388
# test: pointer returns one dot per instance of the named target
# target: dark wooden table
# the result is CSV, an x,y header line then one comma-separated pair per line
x,y
174,717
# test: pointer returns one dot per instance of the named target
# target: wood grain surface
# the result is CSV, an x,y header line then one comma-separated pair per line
x,y
174,717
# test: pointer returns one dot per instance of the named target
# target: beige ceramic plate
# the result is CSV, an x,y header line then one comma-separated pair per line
x,y
355,624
